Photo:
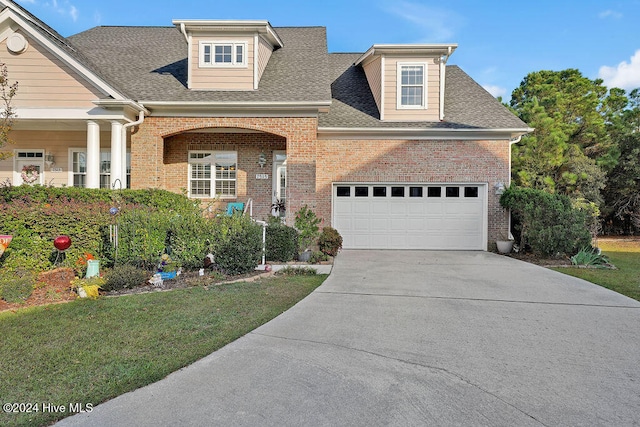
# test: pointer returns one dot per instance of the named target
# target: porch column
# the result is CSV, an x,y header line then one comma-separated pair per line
x,y
93,154
117,167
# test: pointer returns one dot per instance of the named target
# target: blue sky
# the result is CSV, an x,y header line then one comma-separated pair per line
x,y
499,42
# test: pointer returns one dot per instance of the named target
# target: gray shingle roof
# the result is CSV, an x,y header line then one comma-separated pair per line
x,y
467,104
150,64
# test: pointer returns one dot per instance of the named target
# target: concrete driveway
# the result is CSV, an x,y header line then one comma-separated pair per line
x,y
415,338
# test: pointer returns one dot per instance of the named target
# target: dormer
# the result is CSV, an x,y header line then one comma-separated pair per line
x,y
227,55
407,81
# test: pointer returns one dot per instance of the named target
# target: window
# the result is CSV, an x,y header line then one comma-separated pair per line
x,y
411,85
415,191
212,174
223,54
453,192
470,191
79,169
362,191
343,191
379,191
397,191
434,192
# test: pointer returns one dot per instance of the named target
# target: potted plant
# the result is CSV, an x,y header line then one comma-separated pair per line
x,y
306,223
279,208
504,244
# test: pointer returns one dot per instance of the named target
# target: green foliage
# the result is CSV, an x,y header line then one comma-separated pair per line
x,y
589,256
297,271
17,285
570,149
237,244
623,189
189,238
281,241
306,223
124,276
547,223
142,237
7,112
330,241
318,257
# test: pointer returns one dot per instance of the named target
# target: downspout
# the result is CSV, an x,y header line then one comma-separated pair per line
x,y
443,67
183,30
124,139
511,142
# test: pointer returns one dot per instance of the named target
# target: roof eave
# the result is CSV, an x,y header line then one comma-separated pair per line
x,y
434,49
261,26
506,134
198,108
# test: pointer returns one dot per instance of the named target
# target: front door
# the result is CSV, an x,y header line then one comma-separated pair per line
x,y
32,164
279,183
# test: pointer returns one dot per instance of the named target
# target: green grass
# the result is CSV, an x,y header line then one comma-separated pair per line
x,y
91,351
625,255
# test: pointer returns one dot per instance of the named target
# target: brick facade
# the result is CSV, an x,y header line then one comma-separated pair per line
x,y
160,150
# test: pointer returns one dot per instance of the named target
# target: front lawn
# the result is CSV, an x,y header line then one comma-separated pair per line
x,y
625,255
89,351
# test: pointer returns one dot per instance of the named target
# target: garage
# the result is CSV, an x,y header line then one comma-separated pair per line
x,y
411,216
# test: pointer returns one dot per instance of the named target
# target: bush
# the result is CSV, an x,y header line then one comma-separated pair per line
x,y
189,238
590,257
330,241
17,285
317,257
281,241
546,223
307,224
238,244
124,276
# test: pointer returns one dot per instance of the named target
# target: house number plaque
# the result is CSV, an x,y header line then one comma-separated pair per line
x,y
262,176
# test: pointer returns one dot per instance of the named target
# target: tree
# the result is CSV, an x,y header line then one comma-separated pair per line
x,y
7,115
570,150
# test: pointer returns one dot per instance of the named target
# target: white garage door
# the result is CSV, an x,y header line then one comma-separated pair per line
x,y
411,216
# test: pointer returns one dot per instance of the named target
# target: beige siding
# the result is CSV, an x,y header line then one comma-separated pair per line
x,y
264,53
54,142
373,71
45,81
391,112
221,78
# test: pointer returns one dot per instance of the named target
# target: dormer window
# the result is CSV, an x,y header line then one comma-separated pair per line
x,y
223,54
411,85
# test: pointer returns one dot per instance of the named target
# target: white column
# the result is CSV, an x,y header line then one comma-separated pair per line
x,y
117,168
93,154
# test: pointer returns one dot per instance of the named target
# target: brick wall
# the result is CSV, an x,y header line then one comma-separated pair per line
x,y
160,145
415,161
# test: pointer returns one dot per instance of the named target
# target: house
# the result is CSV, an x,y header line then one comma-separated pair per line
x,y
393,147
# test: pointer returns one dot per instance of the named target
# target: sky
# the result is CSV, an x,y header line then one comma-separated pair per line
x,y
499,42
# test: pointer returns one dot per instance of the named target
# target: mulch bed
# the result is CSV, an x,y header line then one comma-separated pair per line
x,y
53,287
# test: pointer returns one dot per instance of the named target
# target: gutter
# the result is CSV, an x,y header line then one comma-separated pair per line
x,y
423,133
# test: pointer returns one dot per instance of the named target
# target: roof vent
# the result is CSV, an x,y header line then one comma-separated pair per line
x,y
17,43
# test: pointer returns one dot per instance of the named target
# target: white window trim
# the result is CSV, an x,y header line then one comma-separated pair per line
x,y
213,44
425,70
212,193
70,172
39,161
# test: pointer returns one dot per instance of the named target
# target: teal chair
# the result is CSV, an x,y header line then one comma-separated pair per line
x,y
235,207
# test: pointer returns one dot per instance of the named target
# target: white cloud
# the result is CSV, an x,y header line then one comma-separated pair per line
x,y
496,91
63,7
625,76
438,24
610,14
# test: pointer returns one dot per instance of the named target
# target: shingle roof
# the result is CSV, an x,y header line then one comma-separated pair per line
x,y
467,104
150,64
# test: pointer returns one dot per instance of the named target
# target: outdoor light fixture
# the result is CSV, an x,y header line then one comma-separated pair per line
x,y
499,187
49,159
262,159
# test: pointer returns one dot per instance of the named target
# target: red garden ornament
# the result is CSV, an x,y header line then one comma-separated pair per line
x,y
62,243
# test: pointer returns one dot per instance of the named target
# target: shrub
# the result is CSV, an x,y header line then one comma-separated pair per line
x,y
330,241
238,244
547,223
297,271
281,241
589,256
318,256
17,285
189,238
124,276
307,224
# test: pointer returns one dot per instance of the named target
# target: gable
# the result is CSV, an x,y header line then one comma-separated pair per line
x,y
45,80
